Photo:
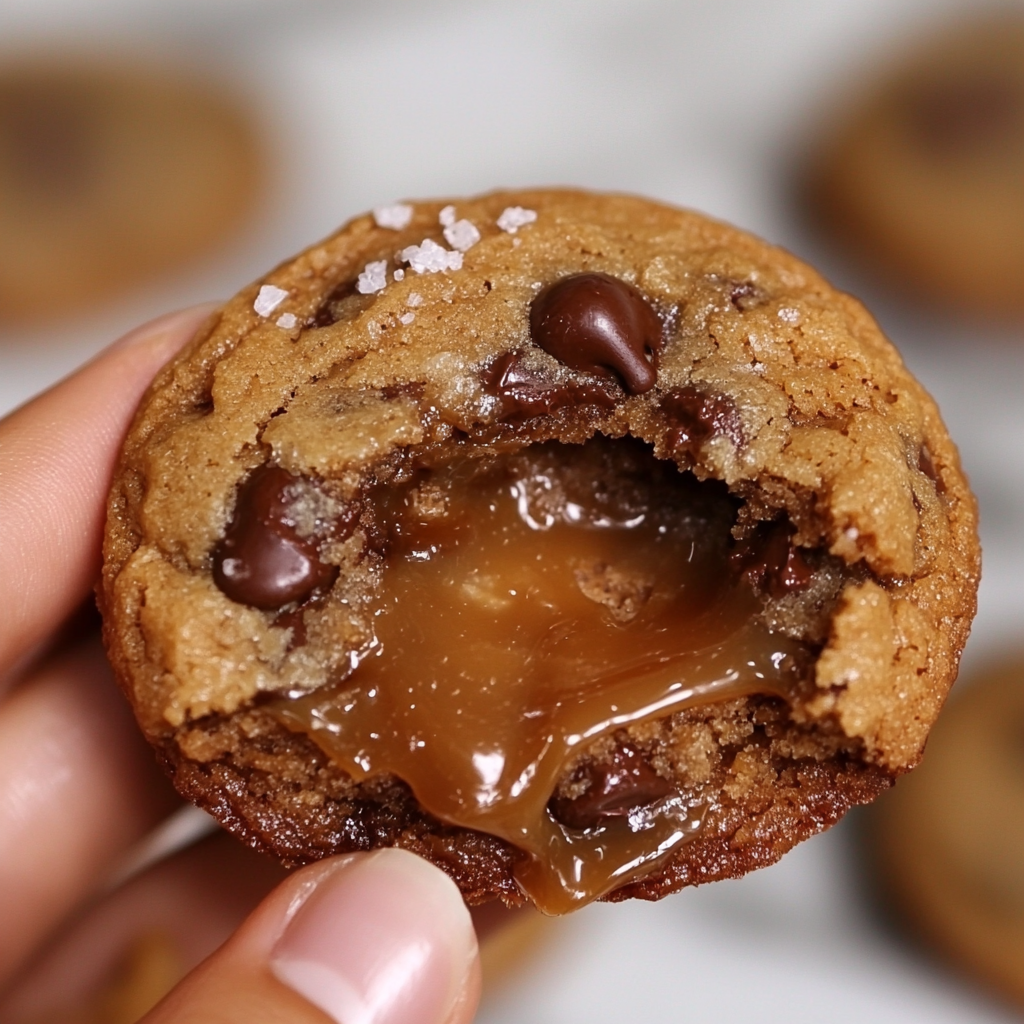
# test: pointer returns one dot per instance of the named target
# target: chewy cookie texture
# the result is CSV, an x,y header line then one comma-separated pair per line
x,y
585,546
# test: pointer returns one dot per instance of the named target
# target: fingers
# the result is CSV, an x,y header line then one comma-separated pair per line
x,y
377,938
57,455
131,948
78,785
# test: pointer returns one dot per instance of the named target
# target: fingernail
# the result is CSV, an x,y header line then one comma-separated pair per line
x,y
384,939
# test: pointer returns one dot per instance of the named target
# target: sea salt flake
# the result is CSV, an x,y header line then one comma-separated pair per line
x,y
461,235
447,216
431,258
407,318
287,321
514,217
269,298
396,216
374,277
399,274
789,315
414,300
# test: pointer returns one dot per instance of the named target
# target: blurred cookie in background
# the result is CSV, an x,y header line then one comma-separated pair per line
x,y
112,172
921,177
948,841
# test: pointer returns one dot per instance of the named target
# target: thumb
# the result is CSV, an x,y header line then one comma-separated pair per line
x,y
367,938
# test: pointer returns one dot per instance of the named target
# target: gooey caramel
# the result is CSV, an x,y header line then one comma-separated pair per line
x,y
530,605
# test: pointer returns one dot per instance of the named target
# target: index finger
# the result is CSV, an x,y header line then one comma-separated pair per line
x,y
57,454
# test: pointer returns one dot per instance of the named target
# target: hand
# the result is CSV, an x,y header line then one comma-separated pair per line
x,y
365,939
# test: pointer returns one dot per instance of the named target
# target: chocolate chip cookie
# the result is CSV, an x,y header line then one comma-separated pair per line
x,y
921,176
949,842
586,546
112,172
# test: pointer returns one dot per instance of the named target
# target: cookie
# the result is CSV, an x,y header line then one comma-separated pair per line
x,y
583,545
920,178
110,174
948,841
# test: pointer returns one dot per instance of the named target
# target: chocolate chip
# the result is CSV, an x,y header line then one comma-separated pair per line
x,y
770,560
614,788
698,416
262,560
953,117
600,325
525,393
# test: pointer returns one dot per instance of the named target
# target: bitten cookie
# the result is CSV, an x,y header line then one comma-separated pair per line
x,y
583,545
949,841
921,177
111,173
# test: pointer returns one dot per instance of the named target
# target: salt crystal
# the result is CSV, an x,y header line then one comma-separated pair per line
x,y
269,298
447,216
414,300
790,316
407,318
287,321
396,216
461,235
374,277
399,274
431,258
514,217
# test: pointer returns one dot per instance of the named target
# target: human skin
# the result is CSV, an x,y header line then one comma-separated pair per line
x,y
363,939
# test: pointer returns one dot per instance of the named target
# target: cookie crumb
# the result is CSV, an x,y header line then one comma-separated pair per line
x,y
461,235
269,298
514,217
396,216
431,258
447,216
407,318
374,278
287,321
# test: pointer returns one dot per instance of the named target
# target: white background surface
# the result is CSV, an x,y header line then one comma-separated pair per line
x,y
701,103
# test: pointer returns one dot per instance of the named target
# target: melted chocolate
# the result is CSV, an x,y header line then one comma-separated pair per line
x,y
525,393
600,325
263,561
770,560
700,416
614,788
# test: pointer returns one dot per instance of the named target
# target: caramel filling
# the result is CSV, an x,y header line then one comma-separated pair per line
x,y
530,605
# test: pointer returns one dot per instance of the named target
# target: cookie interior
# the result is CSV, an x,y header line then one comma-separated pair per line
x,y
532,603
